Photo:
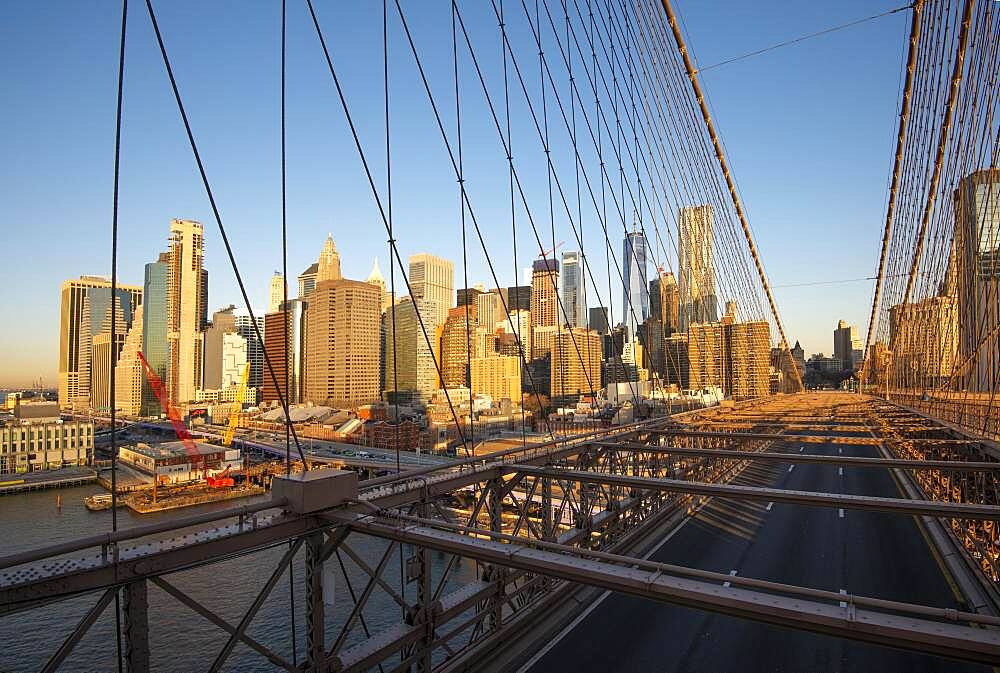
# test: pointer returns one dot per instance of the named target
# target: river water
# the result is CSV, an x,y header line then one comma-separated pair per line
x,y
181,640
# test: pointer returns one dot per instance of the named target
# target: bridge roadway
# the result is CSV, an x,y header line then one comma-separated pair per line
x,y
865,553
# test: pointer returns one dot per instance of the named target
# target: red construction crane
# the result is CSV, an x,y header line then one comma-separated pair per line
x,y
175,418
550,251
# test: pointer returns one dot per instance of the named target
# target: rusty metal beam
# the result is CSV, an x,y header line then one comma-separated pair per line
x,y
949,510
939,638
825,427
781,457
804,439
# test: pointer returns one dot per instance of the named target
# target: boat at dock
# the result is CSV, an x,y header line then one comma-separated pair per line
x,y
101,501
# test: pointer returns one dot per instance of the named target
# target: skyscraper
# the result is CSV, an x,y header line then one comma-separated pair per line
x,y
748,359
342,343
733,356
74,293
409,353
518,324
433,278
96,350
847,346
574,290
636,301
652,340
155,323
924,342
576,363
467,295
519,298
255,348
599,319
234,359
375,278
187,308
129,373
663,301
223,322
676,361
705,355
328,266
544,297
542,338
497,376
977,267
461,339
288,359
307,280
277,292
489,310
696,287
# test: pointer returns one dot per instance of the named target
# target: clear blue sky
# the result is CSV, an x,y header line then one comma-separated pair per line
x,y
809,130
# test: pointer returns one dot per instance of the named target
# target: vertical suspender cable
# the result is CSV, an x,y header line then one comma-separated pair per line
x,y
284,243
285,318
519,338
392,269
465,255
114,326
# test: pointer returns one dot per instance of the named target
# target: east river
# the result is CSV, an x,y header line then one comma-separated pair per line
x,y
181,640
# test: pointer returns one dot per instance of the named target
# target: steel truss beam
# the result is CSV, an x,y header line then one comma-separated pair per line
x,y
853,622
952,510
79,631
778,457
21,589
822,427
251,612
807,439
197,607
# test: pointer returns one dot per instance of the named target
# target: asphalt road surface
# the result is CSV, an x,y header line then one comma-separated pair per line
x,y
865,553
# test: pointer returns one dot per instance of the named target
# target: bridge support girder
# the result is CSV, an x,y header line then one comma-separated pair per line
x,y
315,612
135,629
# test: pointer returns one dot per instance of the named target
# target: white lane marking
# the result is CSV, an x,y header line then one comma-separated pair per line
x,y
791,467
841,512
729,584
801,449
843,592
841,470
840,451
769,506
593,606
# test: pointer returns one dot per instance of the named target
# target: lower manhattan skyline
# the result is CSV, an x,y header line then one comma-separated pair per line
x,y
249,198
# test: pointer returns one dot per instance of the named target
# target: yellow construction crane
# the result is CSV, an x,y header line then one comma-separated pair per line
x,y
234,414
